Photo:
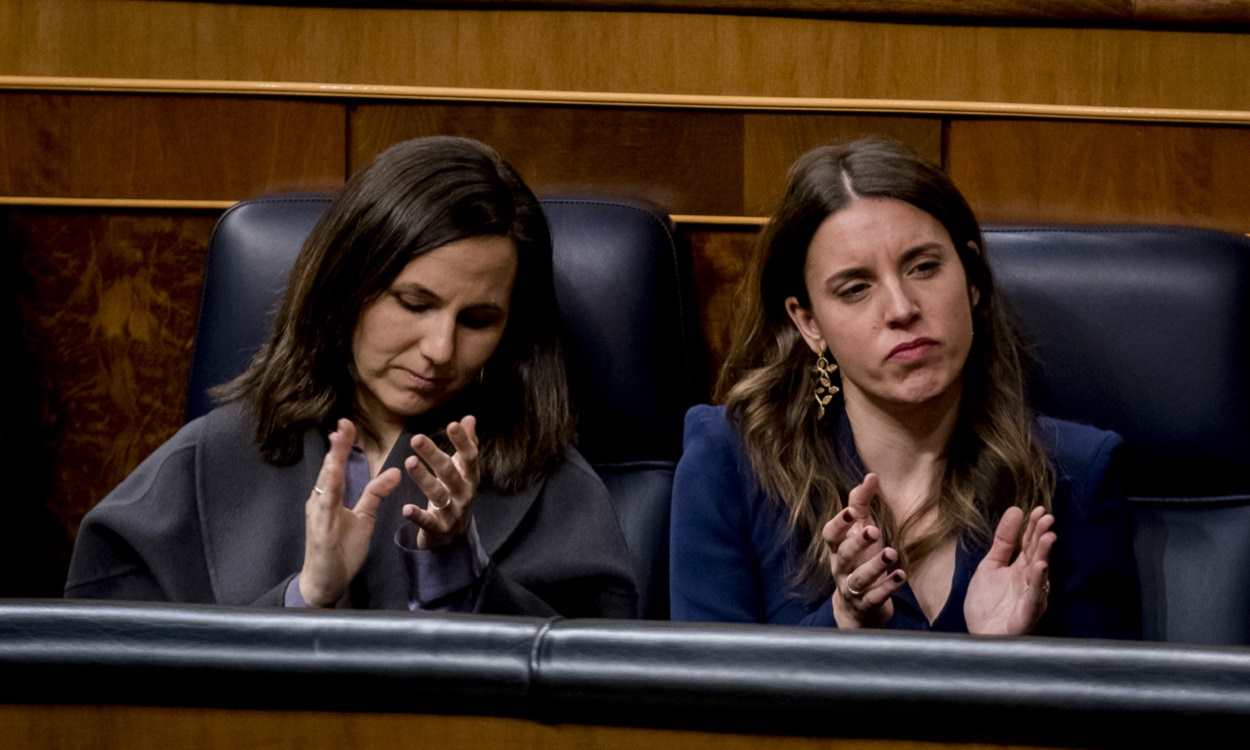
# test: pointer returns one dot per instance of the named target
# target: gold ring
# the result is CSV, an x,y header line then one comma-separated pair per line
x,y
852,590
318,490
441,506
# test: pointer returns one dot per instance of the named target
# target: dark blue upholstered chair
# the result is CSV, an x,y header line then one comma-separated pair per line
x,y
1146,331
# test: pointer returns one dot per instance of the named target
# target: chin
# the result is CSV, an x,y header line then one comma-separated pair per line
x,y
920,394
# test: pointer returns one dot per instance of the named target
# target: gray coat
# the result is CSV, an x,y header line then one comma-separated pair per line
x,y
205,519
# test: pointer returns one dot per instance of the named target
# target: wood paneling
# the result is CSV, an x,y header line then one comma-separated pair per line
x,y
719,259
115,146
1103,172
773,142
108,303
685,161
1198,12
688,161
129,728
626,52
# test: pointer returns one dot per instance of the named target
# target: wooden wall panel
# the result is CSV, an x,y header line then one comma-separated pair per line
x,y
1103,172
686,161
132,728
773,141
719,259
683,53
689,161
204,147
108,302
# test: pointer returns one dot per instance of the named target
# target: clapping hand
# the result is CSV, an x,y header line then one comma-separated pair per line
x,y
448,482
336,539
1008,596
864,570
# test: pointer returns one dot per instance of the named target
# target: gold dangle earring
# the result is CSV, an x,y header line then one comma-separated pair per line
x,y
825,389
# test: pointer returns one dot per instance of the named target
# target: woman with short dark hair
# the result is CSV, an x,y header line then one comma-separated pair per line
x,y
404,436
875,463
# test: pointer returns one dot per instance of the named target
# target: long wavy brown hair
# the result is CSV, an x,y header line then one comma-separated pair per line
x,y
416,196
993,461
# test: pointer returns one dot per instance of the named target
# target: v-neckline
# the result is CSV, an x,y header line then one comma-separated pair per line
x,y
954,597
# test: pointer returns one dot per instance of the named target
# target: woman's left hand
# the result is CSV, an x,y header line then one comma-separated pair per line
x,y
1006,596
449,483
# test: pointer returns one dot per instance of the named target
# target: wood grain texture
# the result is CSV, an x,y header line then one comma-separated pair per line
x,y
85,145
450,94
773,142
108,303
132,728
1103,172
678,53
685,161
1113,12
719,259
688,161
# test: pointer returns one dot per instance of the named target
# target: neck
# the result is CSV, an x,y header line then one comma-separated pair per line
x,y
905,445
376,433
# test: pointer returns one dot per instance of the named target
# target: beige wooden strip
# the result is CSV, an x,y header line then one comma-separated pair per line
x,y
168,203
183,205
622,99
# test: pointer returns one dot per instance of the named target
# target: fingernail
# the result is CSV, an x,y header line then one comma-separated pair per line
x,y
867,535
897,576
885,556
846,516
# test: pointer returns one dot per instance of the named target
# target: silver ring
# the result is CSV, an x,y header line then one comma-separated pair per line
x,y
440,506
852,590
318,490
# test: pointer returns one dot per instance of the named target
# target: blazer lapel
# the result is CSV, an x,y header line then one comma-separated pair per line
x,y
499,515
252,513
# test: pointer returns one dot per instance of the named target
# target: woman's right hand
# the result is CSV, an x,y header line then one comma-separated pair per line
x,y
336,539
864,572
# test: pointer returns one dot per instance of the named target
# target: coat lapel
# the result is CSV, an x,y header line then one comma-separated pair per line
x,y
498,516
251,512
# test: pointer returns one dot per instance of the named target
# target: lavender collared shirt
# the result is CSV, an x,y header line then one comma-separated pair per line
x,y
439,579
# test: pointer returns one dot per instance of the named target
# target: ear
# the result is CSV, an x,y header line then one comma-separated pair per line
x,y
806,324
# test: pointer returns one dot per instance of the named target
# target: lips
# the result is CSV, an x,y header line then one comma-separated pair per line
x,y
912,350
423,383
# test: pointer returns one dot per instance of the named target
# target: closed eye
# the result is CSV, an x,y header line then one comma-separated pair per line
x,y
926,268
413,304
852,292
481,319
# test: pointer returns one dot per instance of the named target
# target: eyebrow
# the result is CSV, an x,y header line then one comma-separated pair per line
x,y
861,272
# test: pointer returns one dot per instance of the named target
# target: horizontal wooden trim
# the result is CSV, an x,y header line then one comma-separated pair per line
x,y
206,205
619,99
752,222
117,203
683,220
1198,13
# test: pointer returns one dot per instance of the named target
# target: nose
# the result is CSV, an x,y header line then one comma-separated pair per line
x,y
901,309
438,341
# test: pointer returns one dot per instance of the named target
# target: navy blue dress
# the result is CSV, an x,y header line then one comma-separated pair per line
x,y
731,555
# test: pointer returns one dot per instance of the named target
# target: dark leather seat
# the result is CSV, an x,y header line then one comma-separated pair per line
x,y
1144,330
624,293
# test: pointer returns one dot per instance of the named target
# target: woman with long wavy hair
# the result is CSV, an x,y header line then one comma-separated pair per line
x,y
875,463
403,440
